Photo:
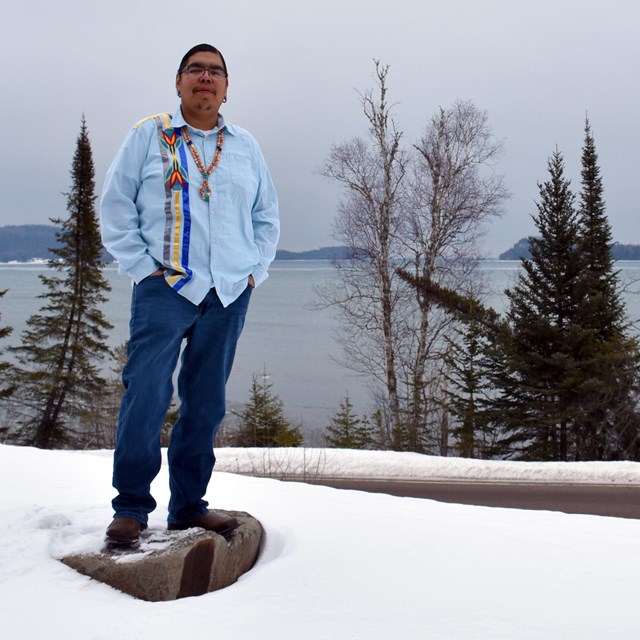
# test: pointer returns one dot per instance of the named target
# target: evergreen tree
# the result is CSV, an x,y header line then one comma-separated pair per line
x,y
602,305
6,381
347,430
469,392
64,341
608,426
6,385
263,420
473,372
570,375
541,379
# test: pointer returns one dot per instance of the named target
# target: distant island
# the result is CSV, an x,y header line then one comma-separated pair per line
x,y
26,242
618,252
325,253
21,243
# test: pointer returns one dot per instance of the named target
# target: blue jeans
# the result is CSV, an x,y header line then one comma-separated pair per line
x,y
161,320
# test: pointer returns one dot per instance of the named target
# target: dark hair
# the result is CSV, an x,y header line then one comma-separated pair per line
x,y
197,49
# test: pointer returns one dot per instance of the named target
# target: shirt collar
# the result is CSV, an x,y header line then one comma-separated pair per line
x,y
177,120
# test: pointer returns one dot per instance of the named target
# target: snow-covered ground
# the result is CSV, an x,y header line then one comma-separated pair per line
x,y
336,564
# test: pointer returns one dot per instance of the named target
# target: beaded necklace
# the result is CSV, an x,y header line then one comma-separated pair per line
x,y
205,189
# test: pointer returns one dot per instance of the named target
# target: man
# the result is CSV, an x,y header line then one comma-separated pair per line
x,y
190,213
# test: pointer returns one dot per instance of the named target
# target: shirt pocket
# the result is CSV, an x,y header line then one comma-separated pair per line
x,y
243,175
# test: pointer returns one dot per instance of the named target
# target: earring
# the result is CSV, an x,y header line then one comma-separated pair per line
x,y
179,94
224,99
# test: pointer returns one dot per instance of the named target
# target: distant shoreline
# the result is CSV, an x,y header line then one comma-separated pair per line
x,y
32,244
43,262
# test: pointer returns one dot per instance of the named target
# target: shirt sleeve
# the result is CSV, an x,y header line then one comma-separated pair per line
x,y
119,216
266,221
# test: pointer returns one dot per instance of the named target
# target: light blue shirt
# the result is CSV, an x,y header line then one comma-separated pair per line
x,y
152,215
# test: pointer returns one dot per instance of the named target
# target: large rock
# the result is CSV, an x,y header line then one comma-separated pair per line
x,y
167,565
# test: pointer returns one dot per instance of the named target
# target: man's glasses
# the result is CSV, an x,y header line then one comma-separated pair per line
x,y
198,71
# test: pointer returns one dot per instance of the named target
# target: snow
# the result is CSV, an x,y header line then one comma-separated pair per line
x,y
343,463
335,564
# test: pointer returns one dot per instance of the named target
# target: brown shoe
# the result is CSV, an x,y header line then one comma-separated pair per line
x,y
124,530
211,521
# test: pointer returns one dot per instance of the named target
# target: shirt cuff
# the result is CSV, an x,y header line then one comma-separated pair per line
x,y
140,270
259,274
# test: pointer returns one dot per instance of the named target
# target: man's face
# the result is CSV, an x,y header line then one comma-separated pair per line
x,y
200,91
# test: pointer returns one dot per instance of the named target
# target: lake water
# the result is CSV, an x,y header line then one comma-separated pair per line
x,y
284,334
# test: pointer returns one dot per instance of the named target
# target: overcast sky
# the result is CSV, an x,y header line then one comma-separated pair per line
x,y
537,67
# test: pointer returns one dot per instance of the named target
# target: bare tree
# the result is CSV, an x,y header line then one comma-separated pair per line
x,y
453,191
372,171
420,211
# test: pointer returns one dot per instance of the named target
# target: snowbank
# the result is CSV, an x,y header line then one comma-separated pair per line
x,y
341,463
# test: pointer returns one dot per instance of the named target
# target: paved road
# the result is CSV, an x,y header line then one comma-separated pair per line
x,y
621,501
